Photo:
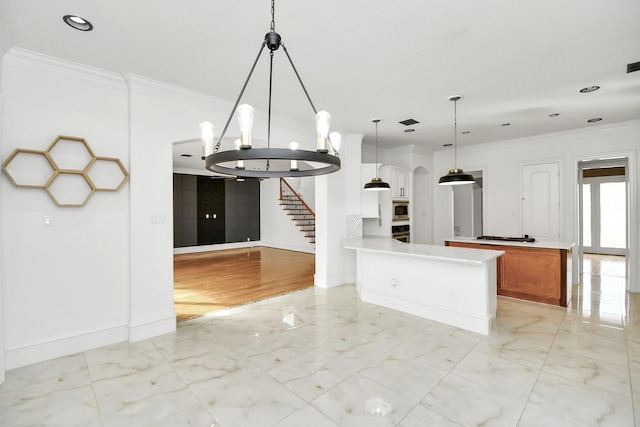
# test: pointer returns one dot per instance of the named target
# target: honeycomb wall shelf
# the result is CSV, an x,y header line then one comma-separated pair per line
x,y
28,168
68,170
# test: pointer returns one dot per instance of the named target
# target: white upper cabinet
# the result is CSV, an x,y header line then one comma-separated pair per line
x,y
400,183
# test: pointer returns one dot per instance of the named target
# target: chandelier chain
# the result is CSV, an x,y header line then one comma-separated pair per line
x,y
273,15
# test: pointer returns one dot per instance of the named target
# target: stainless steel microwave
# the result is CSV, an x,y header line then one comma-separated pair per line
x,y
400,210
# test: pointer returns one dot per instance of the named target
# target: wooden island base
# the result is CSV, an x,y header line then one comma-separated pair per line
x,y
529,271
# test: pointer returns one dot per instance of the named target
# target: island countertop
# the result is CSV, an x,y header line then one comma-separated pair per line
x,y
456,286
448,253
547,244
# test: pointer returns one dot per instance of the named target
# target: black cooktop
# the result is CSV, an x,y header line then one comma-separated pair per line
x,y
526,238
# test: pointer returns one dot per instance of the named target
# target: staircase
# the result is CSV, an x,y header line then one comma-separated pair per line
x,y
298,210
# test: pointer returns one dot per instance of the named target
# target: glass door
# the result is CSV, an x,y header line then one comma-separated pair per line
x,y
604,215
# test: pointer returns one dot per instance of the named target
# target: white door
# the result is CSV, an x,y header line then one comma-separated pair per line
x,y
541,201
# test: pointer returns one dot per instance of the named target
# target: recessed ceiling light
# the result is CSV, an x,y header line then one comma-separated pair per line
x,y
447,145
589,89
596,119
77,22
409,130
186,155
506,124
466,132
554,115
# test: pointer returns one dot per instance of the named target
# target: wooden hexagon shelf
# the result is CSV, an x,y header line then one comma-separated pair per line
x,y
106,174
70,153
28,168
68,170
70,188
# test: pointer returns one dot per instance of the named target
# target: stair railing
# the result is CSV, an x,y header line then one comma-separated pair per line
x,y
287,188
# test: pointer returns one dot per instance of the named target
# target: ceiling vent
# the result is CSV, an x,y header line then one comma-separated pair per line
x,y
633,67
409,122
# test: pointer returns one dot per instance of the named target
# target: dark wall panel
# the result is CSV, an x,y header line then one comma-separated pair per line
x,y
242,205
208,211
211,211
185,210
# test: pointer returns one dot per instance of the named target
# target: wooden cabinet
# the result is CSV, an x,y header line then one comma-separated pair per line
x,y
532,273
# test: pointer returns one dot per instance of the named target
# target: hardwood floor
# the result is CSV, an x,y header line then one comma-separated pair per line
x,y
210,281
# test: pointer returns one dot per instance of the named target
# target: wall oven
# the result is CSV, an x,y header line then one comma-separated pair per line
x,y
400,210
401,233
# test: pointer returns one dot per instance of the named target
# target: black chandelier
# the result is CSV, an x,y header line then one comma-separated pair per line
x,y
245,161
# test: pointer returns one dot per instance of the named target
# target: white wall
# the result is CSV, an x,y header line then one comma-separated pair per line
x,y
501,164
2,364
65,287
335,198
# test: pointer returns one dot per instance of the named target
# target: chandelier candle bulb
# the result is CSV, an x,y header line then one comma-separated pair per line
x,y
294,163
336,140
207,134
323,120
239,163
245,119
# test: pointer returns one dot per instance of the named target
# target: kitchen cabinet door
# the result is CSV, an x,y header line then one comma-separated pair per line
x,y
400,184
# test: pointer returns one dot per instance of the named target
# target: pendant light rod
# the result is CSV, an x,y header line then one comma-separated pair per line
x,y
455,99
376,121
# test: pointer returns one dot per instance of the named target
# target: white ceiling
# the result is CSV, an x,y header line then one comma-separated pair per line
x,y
514,61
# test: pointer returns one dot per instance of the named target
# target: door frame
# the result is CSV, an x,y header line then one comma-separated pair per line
x,y
595,215
632,283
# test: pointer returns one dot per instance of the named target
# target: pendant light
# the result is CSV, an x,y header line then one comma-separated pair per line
x,y
245,161
456,176
376,184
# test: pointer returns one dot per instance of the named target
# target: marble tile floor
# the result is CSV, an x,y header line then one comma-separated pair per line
x,y
321,357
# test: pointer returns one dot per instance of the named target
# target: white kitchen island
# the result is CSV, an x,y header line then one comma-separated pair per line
x,y
456,286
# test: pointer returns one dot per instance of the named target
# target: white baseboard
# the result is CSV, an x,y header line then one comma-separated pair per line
x,y
39,352
217,247
329,281
143,331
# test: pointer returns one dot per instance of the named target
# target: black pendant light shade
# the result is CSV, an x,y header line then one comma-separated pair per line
x,y
376,184
245,161
456,176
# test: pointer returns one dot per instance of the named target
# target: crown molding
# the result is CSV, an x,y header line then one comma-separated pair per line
x,y
630,125
26,59
145,86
